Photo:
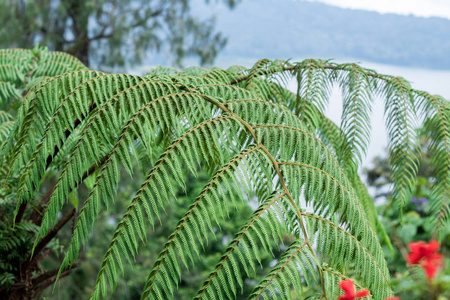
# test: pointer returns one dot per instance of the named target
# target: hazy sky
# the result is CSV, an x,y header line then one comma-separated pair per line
x,y
423,8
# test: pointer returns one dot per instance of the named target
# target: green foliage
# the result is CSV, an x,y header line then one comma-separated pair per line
x,y
263,146
14,244
20,71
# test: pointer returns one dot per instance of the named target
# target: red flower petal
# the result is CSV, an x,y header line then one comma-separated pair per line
x,y
431,265
348,287
416,252
421,250
433,246
362,294
346,297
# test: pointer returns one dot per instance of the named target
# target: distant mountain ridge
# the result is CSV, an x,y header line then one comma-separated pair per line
x,y
288,28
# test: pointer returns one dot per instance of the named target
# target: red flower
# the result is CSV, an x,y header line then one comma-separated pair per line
x,y
426,255
430,266
392,298
350,293
421,250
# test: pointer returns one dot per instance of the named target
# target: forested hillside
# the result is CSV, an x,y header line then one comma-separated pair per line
x,y
301,29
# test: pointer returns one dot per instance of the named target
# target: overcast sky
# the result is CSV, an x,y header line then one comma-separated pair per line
x,y
422,8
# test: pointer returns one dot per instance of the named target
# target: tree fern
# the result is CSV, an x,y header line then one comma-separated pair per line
x,y
263,145
436,111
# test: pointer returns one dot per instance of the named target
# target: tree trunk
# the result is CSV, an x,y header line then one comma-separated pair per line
x,y
28,284
81,49
78,13
29,289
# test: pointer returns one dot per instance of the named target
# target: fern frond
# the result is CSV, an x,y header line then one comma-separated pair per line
x,y
436,111
355,124
313,86
13,58
224,76
256,111
5,117
243,250
66,116
144,124
153,195
315,181
294,268
66,59
209,201
403,141
36,109
225,92
342,250
5,130
345,206
11,73
51,68
8,92
160,70
332,279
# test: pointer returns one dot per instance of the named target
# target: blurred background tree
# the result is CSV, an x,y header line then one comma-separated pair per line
x,y
111,32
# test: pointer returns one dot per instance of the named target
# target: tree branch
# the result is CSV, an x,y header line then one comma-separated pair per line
x,y
36,285
50,235
138,23
49,274
43,283
20,212
101,34
36,215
